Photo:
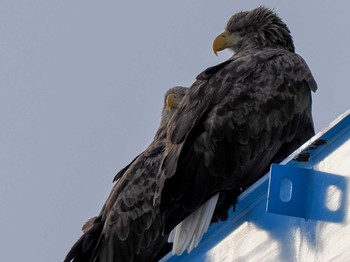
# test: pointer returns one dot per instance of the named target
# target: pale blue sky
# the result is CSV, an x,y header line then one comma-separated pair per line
x,y
82,84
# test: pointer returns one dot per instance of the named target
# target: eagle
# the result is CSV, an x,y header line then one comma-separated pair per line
x,y
128,227
236,119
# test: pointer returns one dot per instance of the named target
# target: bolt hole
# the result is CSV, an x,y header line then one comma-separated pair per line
x,y
286,190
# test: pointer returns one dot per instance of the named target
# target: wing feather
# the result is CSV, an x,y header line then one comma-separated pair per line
x,y
133,223
231,125
128,227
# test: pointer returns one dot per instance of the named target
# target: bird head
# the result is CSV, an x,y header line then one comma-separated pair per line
x,y
173,97
258,27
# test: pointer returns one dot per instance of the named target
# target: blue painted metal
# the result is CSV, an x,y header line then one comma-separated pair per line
x,y
308,193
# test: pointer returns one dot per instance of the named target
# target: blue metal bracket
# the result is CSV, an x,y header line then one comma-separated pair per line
x,y
307,193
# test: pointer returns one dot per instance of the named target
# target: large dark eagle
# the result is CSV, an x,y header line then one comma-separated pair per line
x,y
128,227
236,119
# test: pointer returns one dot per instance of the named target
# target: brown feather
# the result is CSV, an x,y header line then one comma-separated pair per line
x,y
237,118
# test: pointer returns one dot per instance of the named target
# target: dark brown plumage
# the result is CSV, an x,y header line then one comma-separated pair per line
x,y
237,118
129,226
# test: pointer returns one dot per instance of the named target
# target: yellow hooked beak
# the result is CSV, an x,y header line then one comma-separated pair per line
x,y
225,40
170,101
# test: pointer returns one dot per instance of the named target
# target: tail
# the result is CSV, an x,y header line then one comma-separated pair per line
x,y
189,232
84,249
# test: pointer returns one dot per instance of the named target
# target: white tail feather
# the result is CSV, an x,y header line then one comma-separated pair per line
x,y
189,232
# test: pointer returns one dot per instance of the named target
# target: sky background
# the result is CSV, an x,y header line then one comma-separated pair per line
x,y
82,85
